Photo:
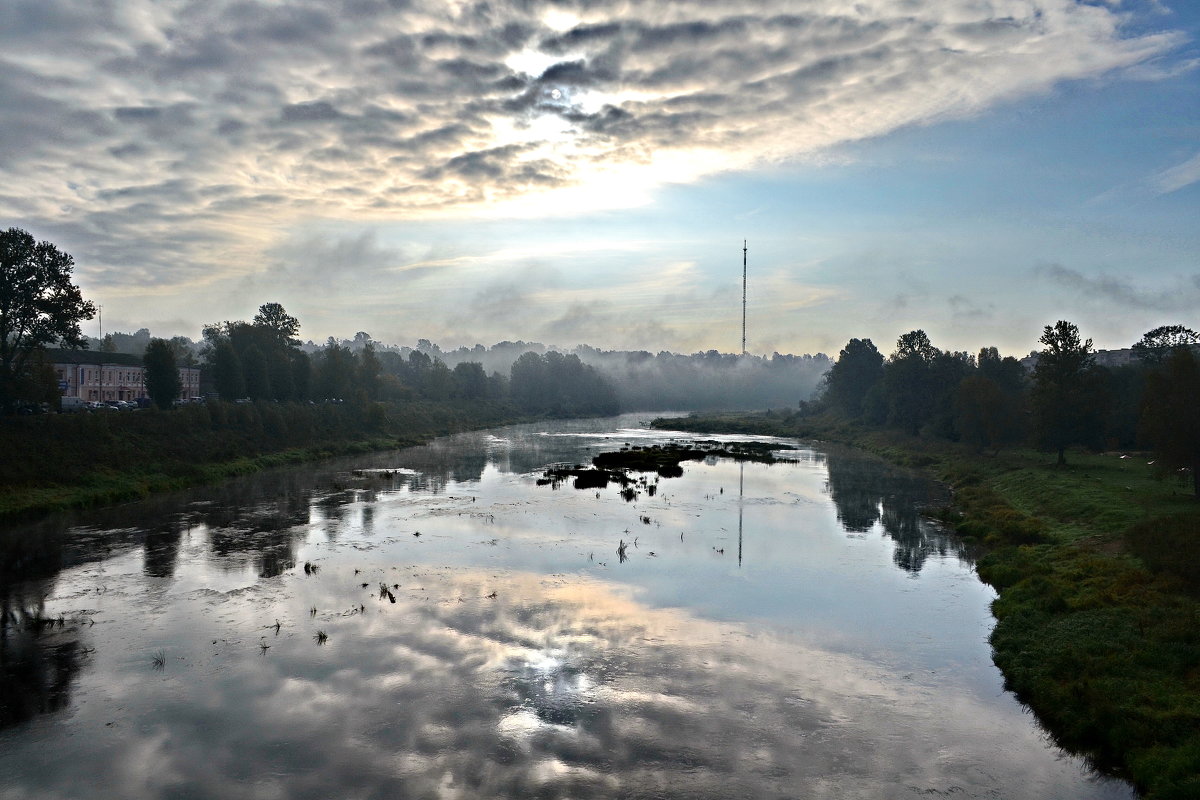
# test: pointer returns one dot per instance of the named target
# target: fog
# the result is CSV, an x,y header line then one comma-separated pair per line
x,y
647,381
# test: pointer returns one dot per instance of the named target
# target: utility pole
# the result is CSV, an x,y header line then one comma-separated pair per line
x,y
743,297
100,352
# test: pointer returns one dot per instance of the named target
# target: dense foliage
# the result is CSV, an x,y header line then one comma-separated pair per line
x,y
38,306
63,460
262,360
162,373
991,402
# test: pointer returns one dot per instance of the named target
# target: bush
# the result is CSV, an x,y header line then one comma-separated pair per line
x,y
1170,545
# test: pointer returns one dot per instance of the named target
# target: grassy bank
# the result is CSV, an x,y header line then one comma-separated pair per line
x,y
60,461
1097,565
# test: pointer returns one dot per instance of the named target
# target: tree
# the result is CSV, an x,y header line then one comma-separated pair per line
x,y
858,368
301,374
1156,345
335,371
528,381
38,306
38,382
989,405
984,416
368,370
1171,414
1006,372
279,375
227,371
907,379
915,344
282,325
470,381
946,371
162,373
1068,395
254,372
181,346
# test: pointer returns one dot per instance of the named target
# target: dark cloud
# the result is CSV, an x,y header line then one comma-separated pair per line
x,y
317,111
1120,291
139,114
966,309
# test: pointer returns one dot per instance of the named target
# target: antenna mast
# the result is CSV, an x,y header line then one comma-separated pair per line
x,y
743,297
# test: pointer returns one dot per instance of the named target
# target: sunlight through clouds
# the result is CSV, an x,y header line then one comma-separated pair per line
x,y
170,147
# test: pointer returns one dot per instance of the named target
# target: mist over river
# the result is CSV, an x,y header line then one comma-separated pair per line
x,y
432,623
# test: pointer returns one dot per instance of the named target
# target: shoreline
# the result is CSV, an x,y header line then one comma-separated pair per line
x,y
149,452
1098,607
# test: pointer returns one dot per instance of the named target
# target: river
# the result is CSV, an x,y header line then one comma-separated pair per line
x,y
432,623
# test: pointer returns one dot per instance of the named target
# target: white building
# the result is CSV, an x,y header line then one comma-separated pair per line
x,y
92,375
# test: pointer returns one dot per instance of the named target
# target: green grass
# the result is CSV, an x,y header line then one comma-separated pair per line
x,y
1097,565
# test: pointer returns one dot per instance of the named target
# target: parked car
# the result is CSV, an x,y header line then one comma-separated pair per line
x,y
27,409
72,404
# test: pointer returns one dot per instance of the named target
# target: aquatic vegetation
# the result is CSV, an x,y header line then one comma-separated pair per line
x,y
664,460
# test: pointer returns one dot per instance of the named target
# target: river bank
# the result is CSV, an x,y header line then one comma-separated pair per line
x,y
435,616
61,461
1096,569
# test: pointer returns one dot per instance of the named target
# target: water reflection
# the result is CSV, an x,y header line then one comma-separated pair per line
x,y
558,689
39,659
514,653
867,492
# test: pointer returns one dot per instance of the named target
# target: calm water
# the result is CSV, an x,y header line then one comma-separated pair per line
x,y
793,630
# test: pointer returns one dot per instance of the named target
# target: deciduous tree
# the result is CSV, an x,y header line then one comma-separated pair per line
x,y
255,370
1171,414
1156,345
227,371
858,368
162,373
38,305
1068,396
907,379
989,405
282,325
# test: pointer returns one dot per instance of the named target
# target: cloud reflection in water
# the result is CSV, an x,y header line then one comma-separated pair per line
x,y
556,688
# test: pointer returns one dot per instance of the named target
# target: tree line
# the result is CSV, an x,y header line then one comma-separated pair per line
x,y
263,360
259,360
990,402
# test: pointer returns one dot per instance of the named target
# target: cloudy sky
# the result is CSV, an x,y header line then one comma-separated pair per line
x,y
576,171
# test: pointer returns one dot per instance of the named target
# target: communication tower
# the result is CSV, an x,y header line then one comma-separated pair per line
x,y
743,297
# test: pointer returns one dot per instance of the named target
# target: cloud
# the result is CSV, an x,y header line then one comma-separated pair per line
x,y
558,688
170,147
1122,292
965,309
1178,176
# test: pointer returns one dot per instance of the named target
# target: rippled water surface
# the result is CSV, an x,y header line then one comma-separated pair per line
x,y
788,630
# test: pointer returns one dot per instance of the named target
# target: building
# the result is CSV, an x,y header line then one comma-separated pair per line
x,y
92,375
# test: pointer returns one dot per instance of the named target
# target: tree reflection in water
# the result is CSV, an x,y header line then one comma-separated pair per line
x,y
866,491
510,663
39,657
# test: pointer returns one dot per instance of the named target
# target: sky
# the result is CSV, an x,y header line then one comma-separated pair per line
x,y
587,172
